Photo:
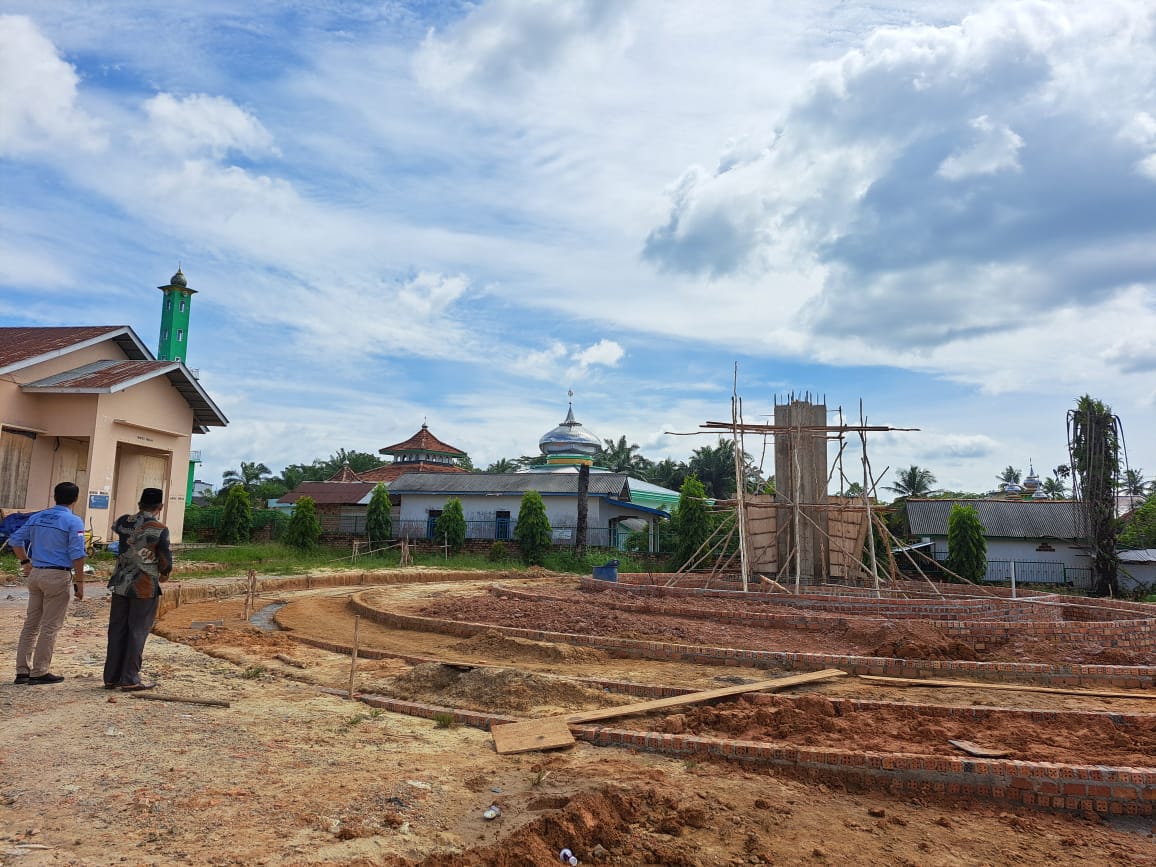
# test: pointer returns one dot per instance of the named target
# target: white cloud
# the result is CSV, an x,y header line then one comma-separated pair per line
x,y
507,44
996,149
431,295
203,124
39,104
605,352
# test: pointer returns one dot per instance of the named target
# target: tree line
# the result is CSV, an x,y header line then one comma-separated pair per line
x,y
713,465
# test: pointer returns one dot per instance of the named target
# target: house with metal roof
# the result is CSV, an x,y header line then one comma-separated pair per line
x,y
92,405
491,502
1041,540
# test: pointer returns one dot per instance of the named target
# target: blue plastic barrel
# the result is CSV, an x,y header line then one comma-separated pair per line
x,y
608,572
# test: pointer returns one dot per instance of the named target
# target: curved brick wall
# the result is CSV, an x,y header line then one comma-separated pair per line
x,y
1124,676
1128,626
1105,790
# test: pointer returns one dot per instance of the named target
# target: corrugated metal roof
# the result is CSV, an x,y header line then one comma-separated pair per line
x,y
101,376
107,376
1003,519
332,493
1139,555
22,347
601,484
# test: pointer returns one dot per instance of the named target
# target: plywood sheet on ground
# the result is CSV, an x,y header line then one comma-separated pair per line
x,y
550,733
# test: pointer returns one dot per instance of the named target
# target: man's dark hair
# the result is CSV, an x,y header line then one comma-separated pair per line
x,y
65,494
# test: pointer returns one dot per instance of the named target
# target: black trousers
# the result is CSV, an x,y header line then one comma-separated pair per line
x,y
129,623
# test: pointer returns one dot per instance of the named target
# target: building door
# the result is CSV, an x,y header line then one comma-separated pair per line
x,y
15,465
154,472
434,514
502,525
70,464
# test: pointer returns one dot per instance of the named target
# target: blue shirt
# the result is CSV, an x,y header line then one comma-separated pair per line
x,y
54,537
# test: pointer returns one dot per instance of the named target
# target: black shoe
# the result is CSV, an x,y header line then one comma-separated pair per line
x,y
45,678
111,686
21,679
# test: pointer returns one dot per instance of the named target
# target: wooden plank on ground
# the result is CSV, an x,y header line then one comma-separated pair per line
x,y
698,697
973,749
550,733
156,696
1016,687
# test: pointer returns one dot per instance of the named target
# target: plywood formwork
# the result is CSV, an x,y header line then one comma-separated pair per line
x,y
846,533
801,484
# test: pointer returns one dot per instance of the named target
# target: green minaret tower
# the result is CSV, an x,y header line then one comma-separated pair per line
x,y
174,342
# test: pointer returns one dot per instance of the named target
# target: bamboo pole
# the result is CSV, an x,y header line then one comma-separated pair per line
x,y
353,656
740,481
867,503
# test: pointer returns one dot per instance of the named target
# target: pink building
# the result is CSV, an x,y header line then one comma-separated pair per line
x,y
92,405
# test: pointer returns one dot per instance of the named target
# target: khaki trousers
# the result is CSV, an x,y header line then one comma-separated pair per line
x,y
48,591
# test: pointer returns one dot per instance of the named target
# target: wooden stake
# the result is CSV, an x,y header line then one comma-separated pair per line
x,y
152,696
353,656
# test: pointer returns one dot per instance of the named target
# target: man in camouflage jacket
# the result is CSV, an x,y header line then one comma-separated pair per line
x,y
143,562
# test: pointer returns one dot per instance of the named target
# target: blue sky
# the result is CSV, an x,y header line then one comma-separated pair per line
x,y
458,211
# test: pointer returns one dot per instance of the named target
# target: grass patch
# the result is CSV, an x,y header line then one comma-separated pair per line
x,y
444,720
274,558
253,672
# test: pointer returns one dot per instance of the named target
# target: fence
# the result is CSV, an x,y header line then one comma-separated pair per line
x,y
503,530
1034,572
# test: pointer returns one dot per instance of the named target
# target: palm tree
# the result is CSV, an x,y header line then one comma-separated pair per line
x,y
1010,476
1134,483
715,468
249,476
1094,446
1054,488
915,481
502,465
620,457
668,473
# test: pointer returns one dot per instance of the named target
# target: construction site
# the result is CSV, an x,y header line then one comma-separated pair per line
x,y
791,696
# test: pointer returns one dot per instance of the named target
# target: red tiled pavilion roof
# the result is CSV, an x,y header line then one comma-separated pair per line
x,y
422,441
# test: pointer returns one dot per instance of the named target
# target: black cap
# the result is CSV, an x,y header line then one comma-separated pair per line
x,y
152,497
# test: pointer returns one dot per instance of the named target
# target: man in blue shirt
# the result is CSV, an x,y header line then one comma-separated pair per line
x,y
50,546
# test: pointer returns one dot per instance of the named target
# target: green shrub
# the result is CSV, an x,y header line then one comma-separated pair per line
x,y
237,518
966,544
450,528
692,521
497,552
533,528
378,525
304,530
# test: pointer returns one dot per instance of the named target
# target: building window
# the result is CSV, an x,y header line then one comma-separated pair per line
x,y
180,334
182,305
165,334
169,303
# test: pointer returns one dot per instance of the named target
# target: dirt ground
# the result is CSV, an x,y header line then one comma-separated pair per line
x,y
291,773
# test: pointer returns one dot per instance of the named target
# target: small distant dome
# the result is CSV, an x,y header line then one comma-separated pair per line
x,y
1012,488
1041,494
178,279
